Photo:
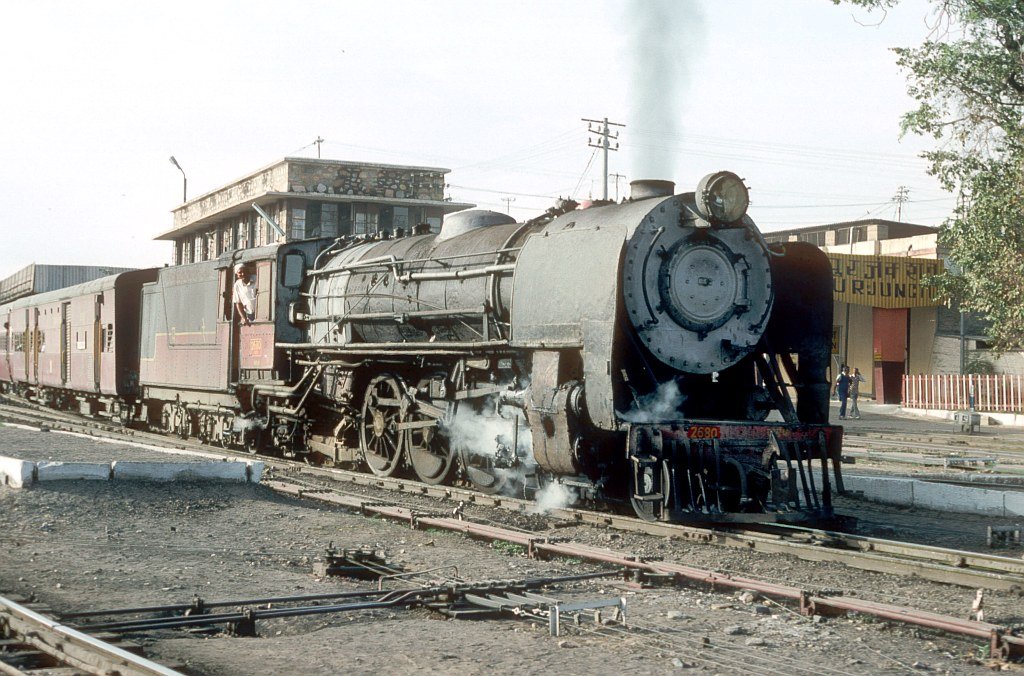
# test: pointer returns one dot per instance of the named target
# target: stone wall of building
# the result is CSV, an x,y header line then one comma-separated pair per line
x,y
366,180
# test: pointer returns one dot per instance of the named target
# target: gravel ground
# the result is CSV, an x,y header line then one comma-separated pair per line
x,y
76,546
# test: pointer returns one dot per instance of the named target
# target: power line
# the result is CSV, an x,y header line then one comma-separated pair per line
x,y
902,196
584,174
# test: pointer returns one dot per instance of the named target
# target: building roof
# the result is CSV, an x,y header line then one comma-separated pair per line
x,y
275,181
896,228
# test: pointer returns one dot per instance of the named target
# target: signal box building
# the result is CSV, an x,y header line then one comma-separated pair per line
x,y
887,321
309,198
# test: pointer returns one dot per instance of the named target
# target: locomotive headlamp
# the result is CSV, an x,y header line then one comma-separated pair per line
x,y
722,197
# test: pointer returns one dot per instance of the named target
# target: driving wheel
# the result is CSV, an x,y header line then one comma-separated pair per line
x,y
429,452
380,439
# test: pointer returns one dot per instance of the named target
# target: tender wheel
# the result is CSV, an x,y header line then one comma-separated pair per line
x,y
429,452
384,409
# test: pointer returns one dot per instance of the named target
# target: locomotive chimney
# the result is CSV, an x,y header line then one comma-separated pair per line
x,y
646,188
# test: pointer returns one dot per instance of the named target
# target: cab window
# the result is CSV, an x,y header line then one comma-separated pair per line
x,y
263,287
294,269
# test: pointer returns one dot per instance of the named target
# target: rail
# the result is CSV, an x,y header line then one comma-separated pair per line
x,y
1002,642
72,647
948,392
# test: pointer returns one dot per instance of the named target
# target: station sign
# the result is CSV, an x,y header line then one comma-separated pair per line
x,y
884,281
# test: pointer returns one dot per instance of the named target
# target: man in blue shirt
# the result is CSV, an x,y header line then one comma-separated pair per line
x,y
842,388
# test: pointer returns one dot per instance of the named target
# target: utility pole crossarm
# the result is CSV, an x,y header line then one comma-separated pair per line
x,y
605,134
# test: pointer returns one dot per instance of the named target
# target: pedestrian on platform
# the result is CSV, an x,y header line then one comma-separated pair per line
x,y
855,380
842,390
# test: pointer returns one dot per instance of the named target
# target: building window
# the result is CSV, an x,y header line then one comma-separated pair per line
x,y
815,238
432,217
240,235
298,229
859,234
364,219
328,220
272,235
400,219
843,236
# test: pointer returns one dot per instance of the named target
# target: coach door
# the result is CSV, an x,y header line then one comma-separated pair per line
x,y
35,345
231,317
26,345
8,345
97,341
65,344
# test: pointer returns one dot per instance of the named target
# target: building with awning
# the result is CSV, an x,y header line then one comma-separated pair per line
x,y
887,320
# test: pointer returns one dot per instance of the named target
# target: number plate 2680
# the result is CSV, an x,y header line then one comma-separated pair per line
x,y
703,432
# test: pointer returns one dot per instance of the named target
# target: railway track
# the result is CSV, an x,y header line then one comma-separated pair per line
x,y
32,641
1002,642
939,445
949,566
937,564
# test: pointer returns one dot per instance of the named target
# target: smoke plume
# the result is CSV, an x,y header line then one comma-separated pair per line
x,y
664,38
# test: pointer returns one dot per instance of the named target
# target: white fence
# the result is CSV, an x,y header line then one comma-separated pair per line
x,y
1002,394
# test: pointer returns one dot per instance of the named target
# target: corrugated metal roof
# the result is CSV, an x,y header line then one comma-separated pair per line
x,y
38,278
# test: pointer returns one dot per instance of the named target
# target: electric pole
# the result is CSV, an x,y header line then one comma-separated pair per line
x,y
604,136
318,141
617,177
508,203
902,196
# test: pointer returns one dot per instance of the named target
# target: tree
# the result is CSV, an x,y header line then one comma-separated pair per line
x,y
968,80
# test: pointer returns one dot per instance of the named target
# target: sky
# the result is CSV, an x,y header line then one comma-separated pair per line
x,y
801,98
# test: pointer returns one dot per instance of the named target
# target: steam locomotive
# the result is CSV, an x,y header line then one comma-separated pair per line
x,y
654,353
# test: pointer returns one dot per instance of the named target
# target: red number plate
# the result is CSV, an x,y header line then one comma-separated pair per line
x,y
704,432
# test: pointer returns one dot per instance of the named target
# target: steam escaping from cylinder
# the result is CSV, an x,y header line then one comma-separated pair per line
x,y
663,36
658,406
554,496
483,433
499,434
